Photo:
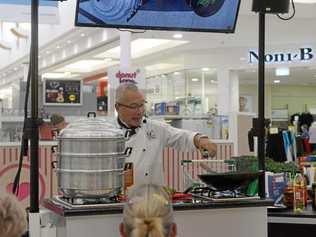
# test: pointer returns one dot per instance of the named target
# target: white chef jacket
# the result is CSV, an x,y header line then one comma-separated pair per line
x,y
147,149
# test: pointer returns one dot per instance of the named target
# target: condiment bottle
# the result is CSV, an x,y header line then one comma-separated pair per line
x,y
298,185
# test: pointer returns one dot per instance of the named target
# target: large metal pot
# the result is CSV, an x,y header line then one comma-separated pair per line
x,y
90,159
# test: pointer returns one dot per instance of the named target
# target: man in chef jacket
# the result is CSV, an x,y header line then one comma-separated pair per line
x,y
147,138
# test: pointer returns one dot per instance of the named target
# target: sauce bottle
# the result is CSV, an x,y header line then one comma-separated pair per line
x,y
298,185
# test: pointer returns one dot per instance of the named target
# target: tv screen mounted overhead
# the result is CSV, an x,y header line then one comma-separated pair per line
x,y
183,15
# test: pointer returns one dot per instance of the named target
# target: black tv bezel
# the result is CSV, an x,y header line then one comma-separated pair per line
x,y
228,31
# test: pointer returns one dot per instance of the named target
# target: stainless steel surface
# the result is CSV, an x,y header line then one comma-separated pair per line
x,y
90,159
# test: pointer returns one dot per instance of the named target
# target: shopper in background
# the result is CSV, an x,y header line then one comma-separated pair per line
x,y
12,217
50,130
148,138
148,213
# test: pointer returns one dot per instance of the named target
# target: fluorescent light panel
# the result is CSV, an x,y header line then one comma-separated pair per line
x,y
284,71
56,75
141,47
86,66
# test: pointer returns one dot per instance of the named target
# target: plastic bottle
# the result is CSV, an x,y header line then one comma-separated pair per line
x,y
298,185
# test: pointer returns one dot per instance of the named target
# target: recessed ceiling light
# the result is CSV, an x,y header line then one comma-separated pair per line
x,y
195,79
212,81
15,69
176,73
276,81
82,34
57,47
283,71
205,69
177,36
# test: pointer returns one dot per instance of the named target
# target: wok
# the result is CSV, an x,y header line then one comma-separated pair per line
x,y
229,180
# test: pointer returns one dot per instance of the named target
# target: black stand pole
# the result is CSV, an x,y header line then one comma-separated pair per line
x,y
261,119
34,194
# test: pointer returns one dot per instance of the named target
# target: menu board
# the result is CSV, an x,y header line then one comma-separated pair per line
x,y
62,92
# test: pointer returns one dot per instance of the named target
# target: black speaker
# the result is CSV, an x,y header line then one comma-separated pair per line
x,y
271,6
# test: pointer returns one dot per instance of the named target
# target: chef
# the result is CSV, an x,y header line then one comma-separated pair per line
x,y
147,138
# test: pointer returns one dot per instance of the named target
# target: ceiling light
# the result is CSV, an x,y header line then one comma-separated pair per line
x,y
68,41
176,73
276,81
15,69
55,75
195,79
47,52
283,71
177,36
84,66
58,47
205,69
162,67
82,34
213,81
141,47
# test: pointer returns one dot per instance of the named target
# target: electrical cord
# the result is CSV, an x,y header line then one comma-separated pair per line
x,y
24,142
291,16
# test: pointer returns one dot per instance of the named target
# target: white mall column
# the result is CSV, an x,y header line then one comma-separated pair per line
x,y
125,45
228,100
125,62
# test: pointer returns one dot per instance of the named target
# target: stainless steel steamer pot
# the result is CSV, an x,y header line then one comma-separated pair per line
x,y
90,159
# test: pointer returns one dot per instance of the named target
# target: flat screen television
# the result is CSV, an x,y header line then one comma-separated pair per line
x,y
183,15
62,92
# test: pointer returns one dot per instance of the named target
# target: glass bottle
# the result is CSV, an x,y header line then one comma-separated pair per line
x,y
298,185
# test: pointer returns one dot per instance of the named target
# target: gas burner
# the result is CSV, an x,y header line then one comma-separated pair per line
x,y
91,201
77,203
209,194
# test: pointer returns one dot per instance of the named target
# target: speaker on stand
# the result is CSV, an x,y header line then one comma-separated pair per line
x,y
262,7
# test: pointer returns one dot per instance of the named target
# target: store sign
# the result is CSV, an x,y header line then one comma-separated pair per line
x,y
301,55
119,75
48,11
62,92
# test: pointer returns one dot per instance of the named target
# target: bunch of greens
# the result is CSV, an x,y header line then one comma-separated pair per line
x,y
250,163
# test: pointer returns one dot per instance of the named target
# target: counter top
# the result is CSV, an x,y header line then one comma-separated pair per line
x,y
115,208
307,216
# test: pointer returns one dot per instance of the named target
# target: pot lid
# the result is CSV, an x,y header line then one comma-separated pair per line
x,y
92,128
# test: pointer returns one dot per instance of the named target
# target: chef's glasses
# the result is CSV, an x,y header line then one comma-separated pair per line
x,y
134,106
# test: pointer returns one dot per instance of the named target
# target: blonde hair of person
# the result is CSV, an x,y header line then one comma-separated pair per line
x,y
148,213
12,216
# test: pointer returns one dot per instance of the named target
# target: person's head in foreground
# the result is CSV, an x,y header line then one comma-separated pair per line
x,y
148,213
12,216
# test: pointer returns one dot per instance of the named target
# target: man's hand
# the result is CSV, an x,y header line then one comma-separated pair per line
x,y
204,143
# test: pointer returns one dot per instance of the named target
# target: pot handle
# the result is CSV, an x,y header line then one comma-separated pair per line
x,y
53,164
54,149
128,151
91,114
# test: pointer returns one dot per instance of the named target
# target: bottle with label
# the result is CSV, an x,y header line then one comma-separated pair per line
x,y
298,185
128,176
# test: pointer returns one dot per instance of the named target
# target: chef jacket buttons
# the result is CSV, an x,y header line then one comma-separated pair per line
x,y
144,150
